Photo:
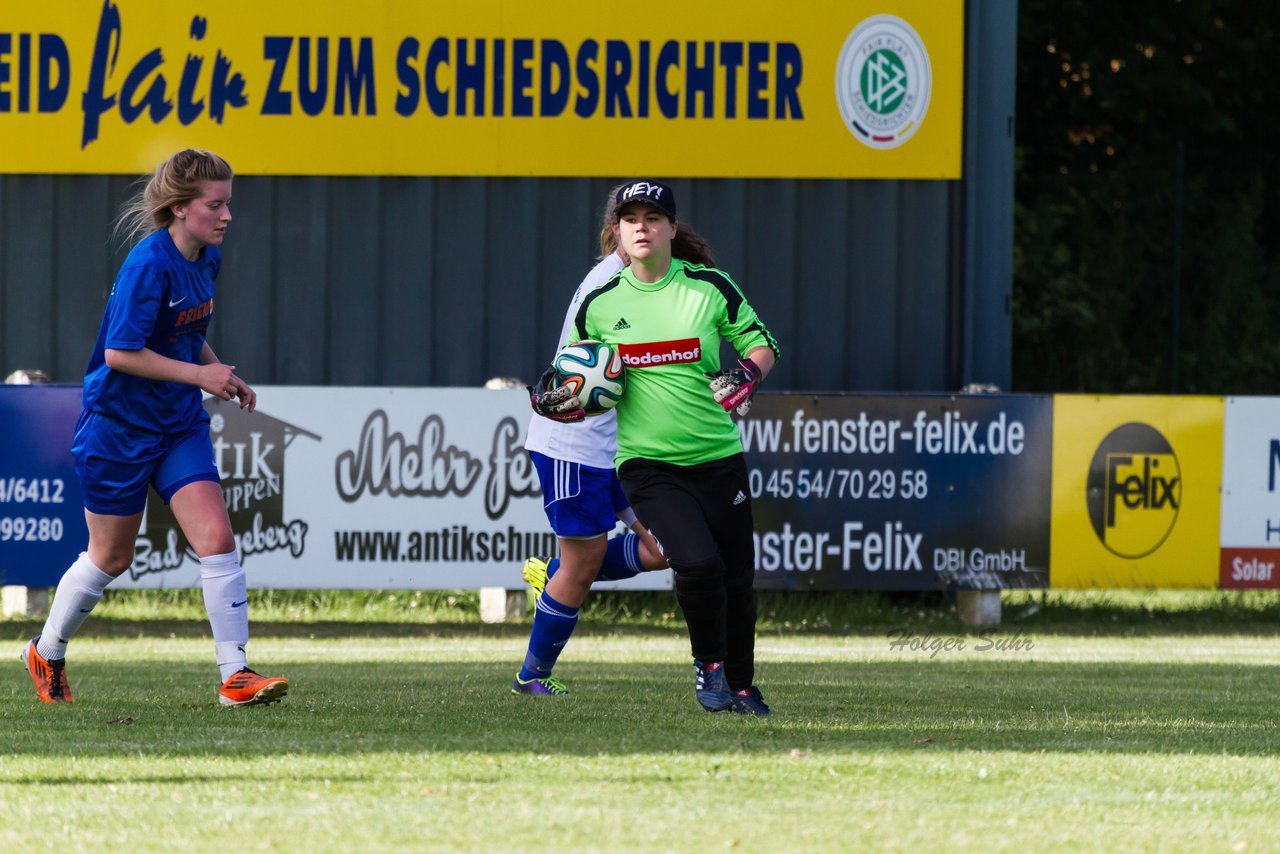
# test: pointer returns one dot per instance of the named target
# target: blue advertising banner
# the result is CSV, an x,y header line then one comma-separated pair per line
x,y
888,492
900,492
41,508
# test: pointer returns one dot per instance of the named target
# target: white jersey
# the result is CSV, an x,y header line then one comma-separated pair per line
x,y
592,442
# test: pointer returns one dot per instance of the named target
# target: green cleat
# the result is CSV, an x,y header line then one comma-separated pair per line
x,y
534,572
548,686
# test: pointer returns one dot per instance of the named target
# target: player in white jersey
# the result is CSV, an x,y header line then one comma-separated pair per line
x,y
583,501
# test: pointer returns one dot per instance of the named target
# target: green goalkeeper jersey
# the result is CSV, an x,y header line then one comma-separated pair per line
x,y
669,335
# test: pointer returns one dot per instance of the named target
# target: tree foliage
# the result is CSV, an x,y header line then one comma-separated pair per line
x,y
1147,197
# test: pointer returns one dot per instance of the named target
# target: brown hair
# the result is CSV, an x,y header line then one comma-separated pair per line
x,y
687,245
176,181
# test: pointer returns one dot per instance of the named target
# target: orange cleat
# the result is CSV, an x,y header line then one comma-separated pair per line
x,y
246,688
50,676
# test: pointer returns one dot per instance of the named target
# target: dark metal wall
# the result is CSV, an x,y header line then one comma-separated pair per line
x,y
869,285
391,281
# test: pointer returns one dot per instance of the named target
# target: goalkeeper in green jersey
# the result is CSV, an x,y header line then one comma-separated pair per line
x,y
679,455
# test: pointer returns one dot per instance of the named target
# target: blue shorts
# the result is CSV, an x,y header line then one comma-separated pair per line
x,y
580,501
116,463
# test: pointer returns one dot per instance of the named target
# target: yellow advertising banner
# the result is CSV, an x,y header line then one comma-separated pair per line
x,y
1136,491
749,88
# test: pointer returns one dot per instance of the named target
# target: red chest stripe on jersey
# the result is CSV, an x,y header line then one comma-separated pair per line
x,y
683,352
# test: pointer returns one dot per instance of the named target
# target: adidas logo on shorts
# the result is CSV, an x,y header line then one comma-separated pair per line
x,y
621,324
739,498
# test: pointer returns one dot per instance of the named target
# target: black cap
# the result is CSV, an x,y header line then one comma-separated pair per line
x,y
650,193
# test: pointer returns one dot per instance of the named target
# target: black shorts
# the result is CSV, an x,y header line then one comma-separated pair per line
x,y
695,511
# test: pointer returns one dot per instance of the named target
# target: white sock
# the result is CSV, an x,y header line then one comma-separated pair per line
x,y
226,600
79,590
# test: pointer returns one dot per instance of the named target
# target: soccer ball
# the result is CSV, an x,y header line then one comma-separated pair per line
x,y
594,372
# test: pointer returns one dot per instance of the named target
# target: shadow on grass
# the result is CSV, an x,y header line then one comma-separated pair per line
x,y
465,707
1050,622
21,630
375,613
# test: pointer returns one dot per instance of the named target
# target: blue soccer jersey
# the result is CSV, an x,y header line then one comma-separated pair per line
x,y
163,302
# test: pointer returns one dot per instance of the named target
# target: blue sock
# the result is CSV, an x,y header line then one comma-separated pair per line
x,y
621,558
552,625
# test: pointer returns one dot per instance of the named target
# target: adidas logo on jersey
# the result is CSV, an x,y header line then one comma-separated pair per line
x,y
739,498
621,324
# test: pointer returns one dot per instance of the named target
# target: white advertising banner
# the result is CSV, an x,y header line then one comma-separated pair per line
x,y
369,488
1250,501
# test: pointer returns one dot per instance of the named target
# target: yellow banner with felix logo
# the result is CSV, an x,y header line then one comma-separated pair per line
x,y
1136,491
827,89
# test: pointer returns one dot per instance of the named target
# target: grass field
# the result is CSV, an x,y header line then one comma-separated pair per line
x,y
1125,723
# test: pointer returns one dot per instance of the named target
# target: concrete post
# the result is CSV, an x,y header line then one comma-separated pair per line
x,y
978,607
24,601
497,604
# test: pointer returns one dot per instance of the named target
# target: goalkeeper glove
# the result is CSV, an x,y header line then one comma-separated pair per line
x,y
733,388
555,402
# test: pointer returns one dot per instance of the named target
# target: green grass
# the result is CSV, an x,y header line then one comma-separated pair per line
x,y
1150,726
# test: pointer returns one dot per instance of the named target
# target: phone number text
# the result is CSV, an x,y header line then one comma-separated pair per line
x,y
30,529
886,484
33,490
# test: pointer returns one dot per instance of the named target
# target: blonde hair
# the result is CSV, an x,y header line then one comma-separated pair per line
x,y
177,181
687,245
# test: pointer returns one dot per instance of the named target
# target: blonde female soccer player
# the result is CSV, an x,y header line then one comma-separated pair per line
x,y
144,426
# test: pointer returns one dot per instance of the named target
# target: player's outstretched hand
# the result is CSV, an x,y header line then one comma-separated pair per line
x,y
555,402
734,388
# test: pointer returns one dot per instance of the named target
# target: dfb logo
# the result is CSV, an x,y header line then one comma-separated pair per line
x,y
1134,490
